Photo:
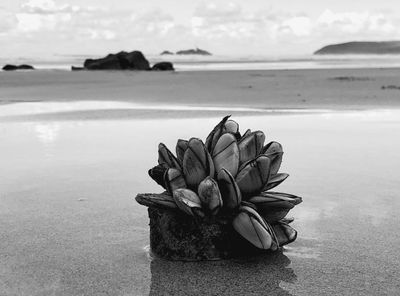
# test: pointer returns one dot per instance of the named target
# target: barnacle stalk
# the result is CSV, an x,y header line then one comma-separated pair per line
x,y
227,179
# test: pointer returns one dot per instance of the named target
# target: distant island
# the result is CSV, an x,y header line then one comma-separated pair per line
x,y
196,51
166,52
9,67
361,47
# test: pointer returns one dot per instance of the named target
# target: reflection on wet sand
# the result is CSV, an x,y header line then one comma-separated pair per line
x,y
261,275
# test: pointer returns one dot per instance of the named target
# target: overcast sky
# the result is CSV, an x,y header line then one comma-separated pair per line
x,y
225,27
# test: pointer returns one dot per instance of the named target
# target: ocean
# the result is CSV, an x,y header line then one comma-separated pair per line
x,y
222,63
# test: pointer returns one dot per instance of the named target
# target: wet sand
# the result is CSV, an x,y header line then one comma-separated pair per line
x,y
267,89
76,148
69,224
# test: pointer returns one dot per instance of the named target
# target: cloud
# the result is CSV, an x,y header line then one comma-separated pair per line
x,y
44,15
40,16
28,22
8,21
277,32
298,26
219,13
97,34
212,25
351,23
152,22
47,7
214,21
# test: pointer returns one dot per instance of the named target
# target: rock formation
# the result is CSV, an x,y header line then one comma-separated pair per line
x,y
123,60
134,60
163,66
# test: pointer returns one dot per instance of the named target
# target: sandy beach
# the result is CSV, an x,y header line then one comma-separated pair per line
x,y
75,150
267,89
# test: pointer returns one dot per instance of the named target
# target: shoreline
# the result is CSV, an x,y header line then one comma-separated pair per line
x,y
79,110
184,63
67,68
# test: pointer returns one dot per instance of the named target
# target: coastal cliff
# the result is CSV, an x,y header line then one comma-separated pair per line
x,y
361,47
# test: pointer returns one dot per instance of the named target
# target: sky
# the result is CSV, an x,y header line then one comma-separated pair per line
x,y
40,28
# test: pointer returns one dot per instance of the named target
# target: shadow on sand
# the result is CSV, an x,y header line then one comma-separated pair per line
x,y
259,275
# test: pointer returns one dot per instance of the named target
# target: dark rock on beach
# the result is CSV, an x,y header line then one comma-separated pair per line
x,y
163,66
388,47
123,60
134,60
196,51
9,67
73,68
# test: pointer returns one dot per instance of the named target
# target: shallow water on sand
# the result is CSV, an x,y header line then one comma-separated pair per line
x,y
69,224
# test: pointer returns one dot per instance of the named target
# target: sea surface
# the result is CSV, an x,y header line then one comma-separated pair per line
x,y
220,62
69,224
